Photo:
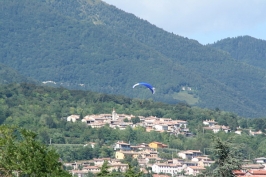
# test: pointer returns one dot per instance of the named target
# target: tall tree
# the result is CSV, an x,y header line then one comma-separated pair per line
x,y
20,153
131,172
104,170
228,158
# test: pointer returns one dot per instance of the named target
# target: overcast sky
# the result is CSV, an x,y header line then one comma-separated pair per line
x,y
206,21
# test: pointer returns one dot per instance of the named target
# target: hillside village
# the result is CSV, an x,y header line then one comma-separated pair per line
x,y
189,162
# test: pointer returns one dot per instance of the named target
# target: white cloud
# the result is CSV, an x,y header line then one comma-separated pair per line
x,y
201,19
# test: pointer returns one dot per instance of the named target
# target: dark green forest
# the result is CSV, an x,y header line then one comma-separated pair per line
x,y
22,155
44,110
245,49
90,45
9,75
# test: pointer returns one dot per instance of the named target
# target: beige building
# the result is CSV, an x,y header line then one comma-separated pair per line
x,y
194,170
122,154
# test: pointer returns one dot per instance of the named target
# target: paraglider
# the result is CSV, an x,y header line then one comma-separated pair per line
x,y
149,86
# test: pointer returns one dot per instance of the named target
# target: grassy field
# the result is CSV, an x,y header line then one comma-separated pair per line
x,y
185,96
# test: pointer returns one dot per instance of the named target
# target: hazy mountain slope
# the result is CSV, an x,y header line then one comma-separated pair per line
x,y
56,47
89,42
8,75
195,57
245,49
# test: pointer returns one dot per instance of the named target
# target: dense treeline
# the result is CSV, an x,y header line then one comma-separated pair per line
x,y
8,75
22,155
245,49
90,45
44,110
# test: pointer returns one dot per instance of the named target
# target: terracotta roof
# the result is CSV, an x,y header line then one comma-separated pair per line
x,y
253,176
238,172
257,172
157,175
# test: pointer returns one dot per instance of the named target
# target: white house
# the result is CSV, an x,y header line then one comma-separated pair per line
x,y
194,170
260,160
217,128
189,154
239,132
209,123
99,162
122,146
255,133
167,168
182,123
72,118
92,169
118,166
160,127
205,163
79,173
200,158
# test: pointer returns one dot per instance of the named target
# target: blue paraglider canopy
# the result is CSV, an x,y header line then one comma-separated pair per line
x,y
149,86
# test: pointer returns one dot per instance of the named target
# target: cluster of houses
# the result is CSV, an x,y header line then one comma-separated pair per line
x,y
255,169
190,162
151,123
211,125
187,163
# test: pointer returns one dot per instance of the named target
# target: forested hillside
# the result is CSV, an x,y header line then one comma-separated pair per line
x,y
44,111
90,45
245,49
9,75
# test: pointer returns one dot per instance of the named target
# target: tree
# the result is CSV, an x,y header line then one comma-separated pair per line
x,y
104,170
21,153
228,158
135,120
131,172
90,174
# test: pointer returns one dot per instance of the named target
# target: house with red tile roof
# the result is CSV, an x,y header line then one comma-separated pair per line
x,y
158,175
256,172
250,173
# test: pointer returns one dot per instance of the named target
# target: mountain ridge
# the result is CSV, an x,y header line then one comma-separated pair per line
x,y
107,50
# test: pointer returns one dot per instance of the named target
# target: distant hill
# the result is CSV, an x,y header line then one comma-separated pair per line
x,y
90,45
245,49
8,76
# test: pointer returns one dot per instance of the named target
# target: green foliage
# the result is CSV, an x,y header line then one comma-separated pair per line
x,y
66,42
131,172
8,75
245,49
21,153
135,120
104,170
228,157
44,110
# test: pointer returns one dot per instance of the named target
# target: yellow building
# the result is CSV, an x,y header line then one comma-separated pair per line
x,y
123,154
156,145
